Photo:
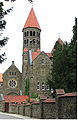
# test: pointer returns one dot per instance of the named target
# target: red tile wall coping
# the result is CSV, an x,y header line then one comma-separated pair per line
x,y
49,101
28,104
36,102
69,95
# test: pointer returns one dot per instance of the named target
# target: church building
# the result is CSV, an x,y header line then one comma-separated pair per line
x,y
36,65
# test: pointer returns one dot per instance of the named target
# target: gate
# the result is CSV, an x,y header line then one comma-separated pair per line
x,y
6,107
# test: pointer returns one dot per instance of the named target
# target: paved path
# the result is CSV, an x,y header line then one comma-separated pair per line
x,y
12,116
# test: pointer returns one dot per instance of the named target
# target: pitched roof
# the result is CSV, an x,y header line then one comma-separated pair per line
x,y
35,54
32,20
1,80
18,99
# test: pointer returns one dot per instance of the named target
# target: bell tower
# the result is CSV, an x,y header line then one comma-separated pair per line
x,y
31,43
31,32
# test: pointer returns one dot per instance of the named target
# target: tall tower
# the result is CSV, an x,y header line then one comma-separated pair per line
x,y
31,43
31,32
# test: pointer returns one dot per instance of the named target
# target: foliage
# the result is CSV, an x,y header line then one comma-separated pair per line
x,y
3,41
34,95
64,72
27,86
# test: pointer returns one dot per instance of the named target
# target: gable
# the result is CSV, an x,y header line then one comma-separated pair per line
x,y
43,55
12,68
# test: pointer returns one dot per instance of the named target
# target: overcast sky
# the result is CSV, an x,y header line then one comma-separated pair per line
x,y
54,16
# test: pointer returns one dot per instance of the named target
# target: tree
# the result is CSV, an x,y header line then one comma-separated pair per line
x,y
64,71
3,40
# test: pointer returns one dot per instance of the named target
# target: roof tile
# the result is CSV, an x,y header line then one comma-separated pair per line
x,y
17,99
32,20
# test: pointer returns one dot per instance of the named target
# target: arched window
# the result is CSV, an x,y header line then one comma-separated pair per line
x,y
25,42
33,33
34,42
30,42
47,87
27,33
38,86
30,33
37,34
43,86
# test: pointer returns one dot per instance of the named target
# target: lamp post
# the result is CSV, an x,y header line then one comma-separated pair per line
x,y
53,93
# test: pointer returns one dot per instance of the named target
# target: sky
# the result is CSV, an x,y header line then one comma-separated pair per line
x,y
54,17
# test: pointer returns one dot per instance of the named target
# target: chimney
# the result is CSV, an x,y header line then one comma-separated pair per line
x,y
12,62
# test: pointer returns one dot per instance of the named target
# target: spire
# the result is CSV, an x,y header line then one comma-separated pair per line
x,y
32,20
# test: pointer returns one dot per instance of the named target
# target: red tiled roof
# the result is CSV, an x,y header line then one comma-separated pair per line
x,y
25,49
17,99
35,54
60,91
69,95
1,80
32,20
49,100
36,102
49,54
43,97
37,50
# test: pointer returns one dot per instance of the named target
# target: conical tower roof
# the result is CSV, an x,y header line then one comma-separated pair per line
x,y
32,20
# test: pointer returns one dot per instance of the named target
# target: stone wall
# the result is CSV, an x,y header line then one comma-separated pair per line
x,y
64,108
21,109
28,110
49,110
13,108
2,106
67,107
36,110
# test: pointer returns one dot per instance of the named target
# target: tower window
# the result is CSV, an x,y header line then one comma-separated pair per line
x,y
24,41
38,42
30,33
27,33
33,33
37,34
30,42
34,42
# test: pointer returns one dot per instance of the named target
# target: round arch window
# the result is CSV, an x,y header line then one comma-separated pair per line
x,y
12,83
